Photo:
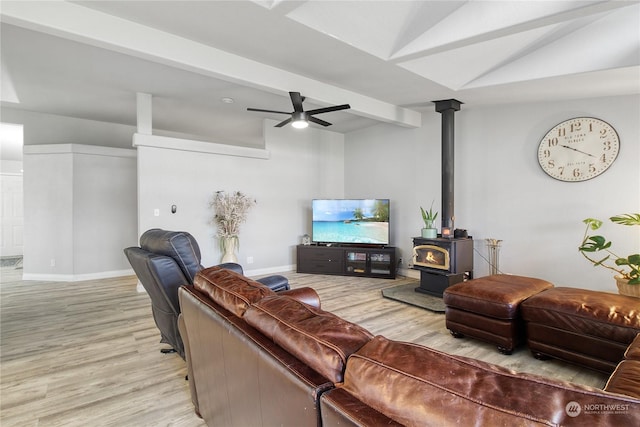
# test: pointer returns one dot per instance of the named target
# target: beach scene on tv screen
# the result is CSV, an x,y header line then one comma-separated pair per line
x,y
351,221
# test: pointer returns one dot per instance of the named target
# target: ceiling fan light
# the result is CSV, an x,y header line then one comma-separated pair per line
x,y
299,120
300,124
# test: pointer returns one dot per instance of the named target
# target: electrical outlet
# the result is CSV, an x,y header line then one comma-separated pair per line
x,y
53,262
156,212
249,260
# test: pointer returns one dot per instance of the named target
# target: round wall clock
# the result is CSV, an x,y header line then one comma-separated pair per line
x,y
578,149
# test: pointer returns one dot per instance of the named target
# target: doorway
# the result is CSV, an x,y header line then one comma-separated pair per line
x,y
11,189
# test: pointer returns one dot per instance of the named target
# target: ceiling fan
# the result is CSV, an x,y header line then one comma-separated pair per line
x,y
299,118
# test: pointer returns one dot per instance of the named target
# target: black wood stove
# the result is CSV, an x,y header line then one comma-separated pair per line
x,y
442,262
446,260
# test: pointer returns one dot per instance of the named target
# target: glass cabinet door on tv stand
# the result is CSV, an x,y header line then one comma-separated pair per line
x,y
370,262
380,263
356,261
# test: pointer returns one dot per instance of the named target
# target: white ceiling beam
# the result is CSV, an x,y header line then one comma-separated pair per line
x,y
283,7
81,24
596,7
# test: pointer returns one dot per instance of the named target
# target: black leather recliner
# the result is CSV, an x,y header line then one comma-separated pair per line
x,y
167,260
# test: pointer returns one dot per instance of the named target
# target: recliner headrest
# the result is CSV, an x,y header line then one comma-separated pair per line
x,y
178,245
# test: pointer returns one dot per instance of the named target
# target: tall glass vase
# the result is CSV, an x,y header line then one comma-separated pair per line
x,y
228,246
494,255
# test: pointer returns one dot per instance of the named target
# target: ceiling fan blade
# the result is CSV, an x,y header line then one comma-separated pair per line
x,y
318,121
296,100
279,125
268,111
329,109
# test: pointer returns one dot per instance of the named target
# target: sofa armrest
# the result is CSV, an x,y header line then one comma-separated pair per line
x,y
187,352
306,295
337,407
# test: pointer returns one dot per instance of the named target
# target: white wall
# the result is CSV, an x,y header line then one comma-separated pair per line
x,y
11,166
48,213
45,129
500,191
79,211
402,165
104,211
301,165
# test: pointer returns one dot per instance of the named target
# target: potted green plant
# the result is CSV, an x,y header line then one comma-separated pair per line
x,y
429,231
627,268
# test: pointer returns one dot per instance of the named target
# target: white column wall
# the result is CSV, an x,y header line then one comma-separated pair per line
x,y
80,211
48,215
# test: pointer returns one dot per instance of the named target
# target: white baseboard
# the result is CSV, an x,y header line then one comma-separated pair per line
x,y
270,270
76,277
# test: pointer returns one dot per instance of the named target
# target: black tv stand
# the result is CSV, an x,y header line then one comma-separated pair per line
x,y
348,260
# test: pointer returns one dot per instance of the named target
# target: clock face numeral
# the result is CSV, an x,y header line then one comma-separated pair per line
x,y
578,149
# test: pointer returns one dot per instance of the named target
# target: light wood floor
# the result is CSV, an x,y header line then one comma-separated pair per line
x,y
87,353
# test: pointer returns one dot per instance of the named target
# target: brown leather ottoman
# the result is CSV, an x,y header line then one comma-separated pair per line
x,y
590,328
488,308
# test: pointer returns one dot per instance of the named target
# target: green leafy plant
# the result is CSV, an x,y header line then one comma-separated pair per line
x,y
428,217
628,267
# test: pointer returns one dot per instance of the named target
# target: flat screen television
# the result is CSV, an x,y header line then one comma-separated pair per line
x,y
351,221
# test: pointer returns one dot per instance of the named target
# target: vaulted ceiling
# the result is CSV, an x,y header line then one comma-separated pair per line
x,y
388,59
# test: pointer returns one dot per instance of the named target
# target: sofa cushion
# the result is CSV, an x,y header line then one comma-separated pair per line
x,y
598,314
229,289
625,379
318,338
415,385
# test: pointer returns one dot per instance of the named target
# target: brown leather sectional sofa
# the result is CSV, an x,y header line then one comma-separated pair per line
x,y
260,358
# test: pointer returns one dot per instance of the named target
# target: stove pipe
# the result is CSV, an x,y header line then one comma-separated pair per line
x,y
447,108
